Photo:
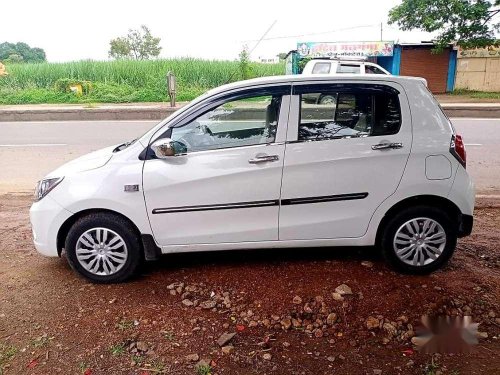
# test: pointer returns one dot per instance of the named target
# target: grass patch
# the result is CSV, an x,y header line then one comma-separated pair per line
x,y
121,81
203,369
155,366
42,341
117,349
431,368
6,354
82,367
137,359
124,324
476,94
169,335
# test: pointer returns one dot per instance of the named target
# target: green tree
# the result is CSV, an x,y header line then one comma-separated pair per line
x,y
14,58
119,48
244,63
138,45
21,52
469,23
282,55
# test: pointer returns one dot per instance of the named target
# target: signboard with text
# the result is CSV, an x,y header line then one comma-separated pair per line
x,y
340,49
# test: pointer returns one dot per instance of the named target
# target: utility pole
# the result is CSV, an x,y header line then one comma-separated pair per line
x,y
381,30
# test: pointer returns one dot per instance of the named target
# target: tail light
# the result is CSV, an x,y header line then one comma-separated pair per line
x,y
457,149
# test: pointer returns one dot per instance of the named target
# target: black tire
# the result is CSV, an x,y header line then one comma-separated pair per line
x,y
394,223
120,226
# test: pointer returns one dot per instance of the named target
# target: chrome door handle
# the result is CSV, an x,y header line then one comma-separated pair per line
x,y
263,159
385,146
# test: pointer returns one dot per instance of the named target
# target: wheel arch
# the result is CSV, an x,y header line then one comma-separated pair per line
x,y
149,248
420,200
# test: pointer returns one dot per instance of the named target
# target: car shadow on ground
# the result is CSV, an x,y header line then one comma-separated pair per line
x,y
261,257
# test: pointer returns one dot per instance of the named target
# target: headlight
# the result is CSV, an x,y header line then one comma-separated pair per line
x,y
43,187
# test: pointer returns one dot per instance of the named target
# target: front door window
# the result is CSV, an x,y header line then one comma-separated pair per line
x,y
243,122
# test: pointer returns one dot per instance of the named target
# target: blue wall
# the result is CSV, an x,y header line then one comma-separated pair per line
x,y
396,60
385,62
391,63
452,67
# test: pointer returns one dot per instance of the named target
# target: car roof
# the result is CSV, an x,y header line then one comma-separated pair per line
x,y
300,78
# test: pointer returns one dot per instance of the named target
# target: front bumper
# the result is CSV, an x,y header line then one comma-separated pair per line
x,y
47,217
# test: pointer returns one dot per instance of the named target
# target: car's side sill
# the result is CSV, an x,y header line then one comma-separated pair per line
x,y
358,241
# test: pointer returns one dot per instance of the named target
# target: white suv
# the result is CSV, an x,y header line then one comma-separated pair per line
x,y
251,165
342,66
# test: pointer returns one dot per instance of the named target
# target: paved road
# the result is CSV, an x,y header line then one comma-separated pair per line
x,y
29,150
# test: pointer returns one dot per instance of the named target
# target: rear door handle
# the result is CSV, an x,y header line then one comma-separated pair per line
x,y
263,159
387,145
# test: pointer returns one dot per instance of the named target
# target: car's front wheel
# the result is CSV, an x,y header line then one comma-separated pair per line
x,y
104,248
419,239
326,99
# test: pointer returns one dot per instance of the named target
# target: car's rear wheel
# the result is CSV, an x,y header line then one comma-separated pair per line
x,y
104,248
419,239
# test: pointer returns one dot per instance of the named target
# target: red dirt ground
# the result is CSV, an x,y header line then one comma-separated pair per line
x,y
54,322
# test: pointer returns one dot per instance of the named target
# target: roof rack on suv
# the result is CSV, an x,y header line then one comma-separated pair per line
x,y
343,58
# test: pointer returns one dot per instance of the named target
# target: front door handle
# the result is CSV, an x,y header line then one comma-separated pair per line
x,y
387,145
263,159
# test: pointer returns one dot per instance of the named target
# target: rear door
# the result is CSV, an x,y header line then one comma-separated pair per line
x,y
343,159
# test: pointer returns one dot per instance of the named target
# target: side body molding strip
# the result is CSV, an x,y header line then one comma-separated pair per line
x,y
276,202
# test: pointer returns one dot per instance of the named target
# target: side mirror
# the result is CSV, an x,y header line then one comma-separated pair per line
x,y
164,148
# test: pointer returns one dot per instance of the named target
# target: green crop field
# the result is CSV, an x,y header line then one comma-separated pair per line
x,y
121,81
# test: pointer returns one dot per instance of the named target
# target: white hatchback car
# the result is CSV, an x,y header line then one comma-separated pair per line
x,y
250,165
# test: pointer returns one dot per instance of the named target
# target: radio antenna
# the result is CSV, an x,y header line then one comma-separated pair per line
x,y
254,47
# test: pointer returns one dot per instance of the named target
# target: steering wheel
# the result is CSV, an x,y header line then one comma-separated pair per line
x,y
198,139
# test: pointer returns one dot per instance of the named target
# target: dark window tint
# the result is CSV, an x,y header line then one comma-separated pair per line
x,y
352,113
348,68
321,68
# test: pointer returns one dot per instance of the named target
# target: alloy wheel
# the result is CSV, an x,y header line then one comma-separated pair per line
x,y
101,251
419,241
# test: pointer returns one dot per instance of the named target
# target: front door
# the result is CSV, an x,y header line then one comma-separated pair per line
x,y
343,158
226,188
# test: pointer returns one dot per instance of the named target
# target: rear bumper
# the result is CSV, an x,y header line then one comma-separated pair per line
x,y
466,225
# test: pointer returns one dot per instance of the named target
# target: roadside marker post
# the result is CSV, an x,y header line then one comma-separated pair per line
x,y
171,87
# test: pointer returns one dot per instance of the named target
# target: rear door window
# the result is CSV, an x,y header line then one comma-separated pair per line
x,y
348,69
356,111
